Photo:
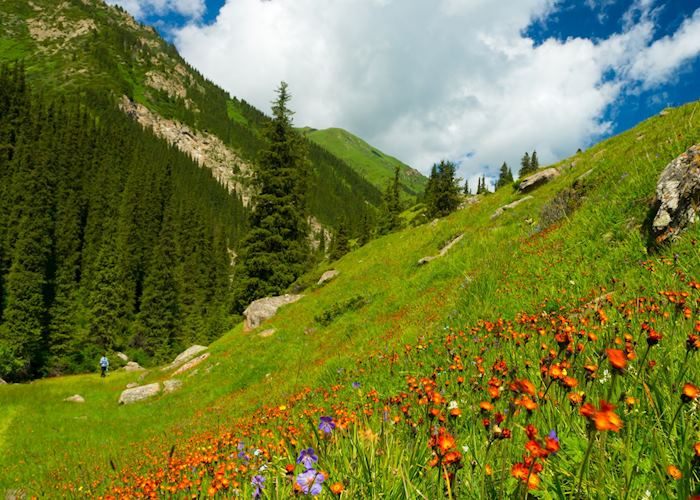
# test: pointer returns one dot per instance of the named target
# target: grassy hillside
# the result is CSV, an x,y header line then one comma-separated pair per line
x,y
463,378
369,162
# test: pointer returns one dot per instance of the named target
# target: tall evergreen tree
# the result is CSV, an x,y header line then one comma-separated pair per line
x,y
442,191
525,165
534,162
365,230
276,251
467,190
391,208
505,176
341,242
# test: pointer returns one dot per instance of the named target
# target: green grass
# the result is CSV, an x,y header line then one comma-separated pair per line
x,y
500,269
368,161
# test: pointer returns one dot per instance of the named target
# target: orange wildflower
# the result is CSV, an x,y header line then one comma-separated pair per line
x,y
606,419
337,488
690,392
673,471
617,358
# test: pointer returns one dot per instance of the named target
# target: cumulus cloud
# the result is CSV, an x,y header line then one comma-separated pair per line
x,y
455,79
191,9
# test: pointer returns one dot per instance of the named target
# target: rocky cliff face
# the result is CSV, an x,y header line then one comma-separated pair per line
x,y
206,149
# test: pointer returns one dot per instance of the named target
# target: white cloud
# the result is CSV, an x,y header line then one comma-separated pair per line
x,y
665,56
191,9
430,80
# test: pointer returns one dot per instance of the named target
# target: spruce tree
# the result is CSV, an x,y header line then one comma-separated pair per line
x,y
442,192
340,242
467,191
391,208
365,230
525,167
276,250
505,176
534,162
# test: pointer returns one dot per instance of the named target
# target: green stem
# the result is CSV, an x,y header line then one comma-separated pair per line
x,y
585,462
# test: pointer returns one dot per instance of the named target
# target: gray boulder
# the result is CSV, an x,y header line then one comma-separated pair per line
x,y
443,251
140,393
262,309
2,382
267,333
133,366
537,179
171,385
509,206
677,196
191,363
327,276
75,399
122,356
185,355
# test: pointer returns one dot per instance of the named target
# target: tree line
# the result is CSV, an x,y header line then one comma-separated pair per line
x,y
110,239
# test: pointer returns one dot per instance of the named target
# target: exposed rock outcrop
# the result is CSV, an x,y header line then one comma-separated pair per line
x,y
677,196
77,398
185,355
133,366
509,206
262,309
171,385
537,179
2,382
140,393
206,149
191,363
122,356
267,333
443,251
327,276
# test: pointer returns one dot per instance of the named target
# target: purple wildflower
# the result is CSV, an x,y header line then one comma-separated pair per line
x,y
258,481
355,385
327,425
311,482
307,458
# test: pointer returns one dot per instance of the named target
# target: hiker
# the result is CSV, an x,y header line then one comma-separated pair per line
x,y
104,364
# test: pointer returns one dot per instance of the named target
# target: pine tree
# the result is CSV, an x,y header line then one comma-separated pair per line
x,y
442,192
534,162
365,230
505,176
525,167
276,251
467,191
391,208
340,242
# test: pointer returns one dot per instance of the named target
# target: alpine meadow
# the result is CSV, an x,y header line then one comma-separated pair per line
x,y
204,299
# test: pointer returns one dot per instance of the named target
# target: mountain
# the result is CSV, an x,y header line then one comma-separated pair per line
x,y
368,161
101,52
550,352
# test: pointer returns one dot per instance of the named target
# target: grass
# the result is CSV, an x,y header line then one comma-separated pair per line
x,y
490,304
370,163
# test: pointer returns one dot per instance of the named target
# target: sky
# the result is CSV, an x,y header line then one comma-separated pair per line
x,y
477,82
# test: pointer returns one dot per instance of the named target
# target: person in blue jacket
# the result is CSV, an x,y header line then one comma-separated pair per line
x,y
104,364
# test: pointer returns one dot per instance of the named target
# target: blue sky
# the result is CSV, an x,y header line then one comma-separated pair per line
x,y
470,80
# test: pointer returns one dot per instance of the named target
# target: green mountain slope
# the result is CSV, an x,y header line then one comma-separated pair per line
x,y
99,51
446,380
369,162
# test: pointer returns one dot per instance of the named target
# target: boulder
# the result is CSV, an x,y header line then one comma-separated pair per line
x,y
2,382
140,393
75,399
133,366
171,385
131,385
262,309
267,333
327,276
185,355
509,206
537,179
677,195
191,363
443,250
122,356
